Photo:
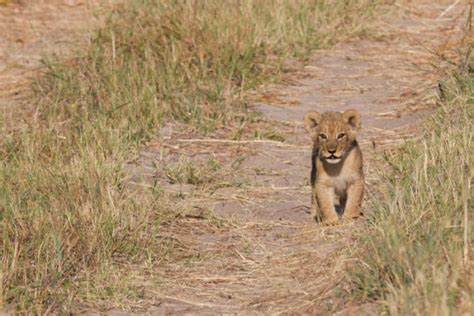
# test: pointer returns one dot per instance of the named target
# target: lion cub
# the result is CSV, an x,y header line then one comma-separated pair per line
x,y
336,164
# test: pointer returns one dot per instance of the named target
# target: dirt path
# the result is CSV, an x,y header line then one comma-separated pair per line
x,y
271,257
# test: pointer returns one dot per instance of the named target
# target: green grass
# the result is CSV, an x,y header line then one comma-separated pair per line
x,y
71,227
188,171
420,243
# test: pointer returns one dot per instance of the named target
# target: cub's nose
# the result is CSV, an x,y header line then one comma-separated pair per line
x,y
332,151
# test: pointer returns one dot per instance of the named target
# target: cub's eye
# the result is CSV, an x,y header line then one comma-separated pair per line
x,y
323,136
341,136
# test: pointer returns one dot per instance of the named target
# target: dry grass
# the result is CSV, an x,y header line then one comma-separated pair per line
x,y
268,277
70,228
192,172
421,238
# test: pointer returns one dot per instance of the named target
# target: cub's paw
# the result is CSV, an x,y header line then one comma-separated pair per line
x,y
352,216
331,221
317,217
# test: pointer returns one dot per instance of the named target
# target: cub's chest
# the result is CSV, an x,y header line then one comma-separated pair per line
x,y
339,181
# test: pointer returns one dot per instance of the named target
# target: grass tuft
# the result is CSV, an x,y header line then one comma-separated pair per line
x,y
421,241
191,172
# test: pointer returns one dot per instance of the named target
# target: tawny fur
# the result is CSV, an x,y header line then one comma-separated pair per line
x,y
336,173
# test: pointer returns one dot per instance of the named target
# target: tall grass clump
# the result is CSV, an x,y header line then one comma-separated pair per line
x,y
69,224
417,258
191,60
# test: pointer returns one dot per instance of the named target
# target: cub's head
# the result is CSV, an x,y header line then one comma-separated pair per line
x,y
332,132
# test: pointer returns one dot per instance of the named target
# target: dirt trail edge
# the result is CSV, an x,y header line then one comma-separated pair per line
x,y
271,257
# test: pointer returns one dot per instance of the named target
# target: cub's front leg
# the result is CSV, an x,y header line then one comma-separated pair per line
x,y
325,202
355,194
315,211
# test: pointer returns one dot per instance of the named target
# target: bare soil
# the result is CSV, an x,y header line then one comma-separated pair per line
x,y
245,239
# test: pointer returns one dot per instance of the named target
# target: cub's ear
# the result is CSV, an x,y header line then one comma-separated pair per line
x,y
312,119
352,118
